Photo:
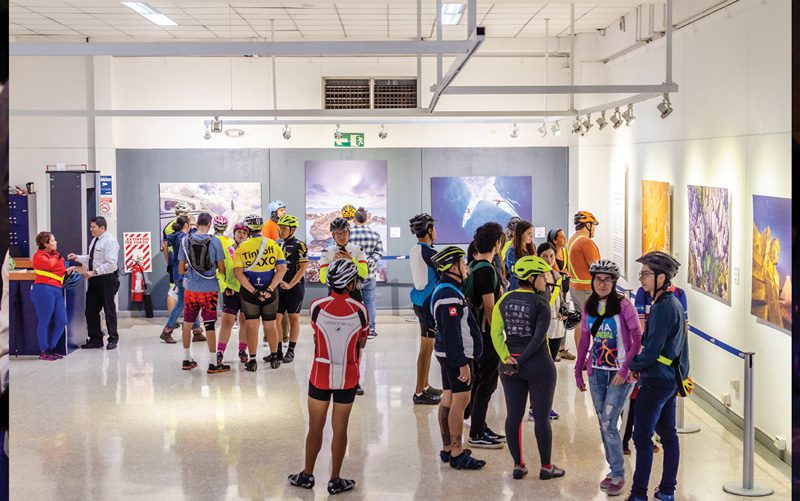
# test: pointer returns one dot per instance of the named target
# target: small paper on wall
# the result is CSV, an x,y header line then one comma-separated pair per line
x,y
538,231
394,232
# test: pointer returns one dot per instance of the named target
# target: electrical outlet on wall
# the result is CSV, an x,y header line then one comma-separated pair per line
x,y
736,276
726,399
779,442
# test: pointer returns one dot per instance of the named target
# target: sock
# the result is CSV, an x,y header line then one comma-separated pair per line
x,y
242,346
292,344
212,356
280,345
252,356
187,353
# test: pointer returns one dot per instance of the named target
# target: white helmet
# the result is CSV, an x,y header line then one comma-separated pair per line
x,y
181,209
341,272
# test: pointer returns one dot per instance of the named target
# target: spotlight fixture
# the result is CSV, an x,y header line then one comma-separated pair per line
x,y
337,134
234,132
576,126
665,107
616,118
514,131
556,129
628,115
382,132
587,124
216,125
602,122
542,130
287,132
207,134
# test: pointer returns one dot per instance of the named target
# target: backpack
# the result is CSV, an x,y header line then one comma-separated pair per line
x,y
198,255
469,284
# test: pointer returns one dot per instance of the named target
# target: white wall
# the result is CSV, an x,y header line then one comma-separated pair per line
x,y
730,129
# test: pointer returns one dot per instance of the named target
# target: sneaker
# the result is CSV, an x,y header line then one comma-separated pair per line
x,y
166,336
251,365
267,358
485,442
566,355
430,390
91,346
495,436
337,485
606,482
188,365
425,399
553,472
302,480
288,358
626,451
243,358
615,487
167,329
372,335
46,356
530,415
519,472
55,354
663,497
465,461
197,335
216,369
359,389
274,363
553,415
444,456
279,355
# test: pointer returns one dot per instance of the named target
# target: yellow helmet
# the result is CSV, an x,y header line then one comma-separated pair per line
x,y
290,221
529,266
348,211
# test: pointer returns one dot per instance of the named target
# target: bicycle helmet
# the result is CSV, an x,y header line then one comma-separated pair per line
x,y
240,226
220,223
275,205
290,221
420,223
341,272
573,319
181,209
253,222
72,280
512,224
606,266
529,266
585,217
340,223
447,256
661,262
348,211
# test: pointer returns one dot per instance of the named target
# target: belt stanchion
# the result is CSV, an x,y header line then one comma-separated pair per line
x,y
681,426
747,486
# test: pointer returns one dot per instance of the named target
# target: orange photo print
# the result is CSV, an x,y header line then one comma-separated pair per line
x,y
655,216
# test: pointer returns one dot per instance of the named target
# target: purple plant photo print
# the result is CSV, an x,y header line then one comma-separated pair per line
x,y
709,240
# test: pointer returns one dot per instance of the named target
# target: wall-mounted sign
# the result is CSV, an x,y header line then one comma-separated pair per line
x,y
350,140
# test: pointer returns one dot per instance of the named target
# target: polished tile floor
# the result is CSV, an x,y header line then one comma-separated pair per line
x,y
130,425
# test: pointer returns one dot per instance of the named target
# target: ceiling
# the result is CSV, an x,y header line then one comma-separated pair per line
x,y
309,20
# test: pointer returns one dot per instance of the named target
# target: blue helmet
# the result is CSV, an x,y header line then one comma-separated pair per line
x,y
73,280
275,205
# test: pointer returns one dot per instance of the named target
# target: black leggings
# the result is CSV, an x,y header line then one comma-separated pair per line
x,y
536,380
554,345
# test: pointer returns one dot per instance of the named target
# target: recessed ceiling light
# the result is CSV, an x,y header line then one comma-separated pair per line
x,y
234,132
451,13
150,13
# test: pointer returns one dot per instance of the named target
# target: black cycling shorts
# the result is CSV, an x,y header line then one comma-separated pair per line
x,y
339,396
254,309
291,300
231,304
450,375
427,324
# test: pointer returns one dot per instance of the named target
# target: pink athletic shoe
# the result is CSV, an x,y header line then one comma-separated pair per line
x,y
46,356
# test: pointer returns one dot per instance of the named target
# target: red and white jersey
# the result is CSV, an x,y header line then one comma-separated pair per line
x,y
339,322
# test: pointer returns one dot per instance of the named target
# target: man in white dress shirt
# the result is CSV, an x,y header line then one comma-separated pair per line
x,y
100,269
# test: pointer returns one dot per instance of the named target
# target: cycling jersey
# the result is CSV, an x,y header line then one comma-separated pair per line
x,y
260,275
581,253
167,231
644,301
359,257
339,323
270,230
228,280
525,317
423,274
296,253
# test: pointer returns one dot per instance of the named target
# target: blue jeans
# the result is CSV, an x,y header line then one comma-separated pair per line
x,y
608,401
51,315
655,412
368,293
177,310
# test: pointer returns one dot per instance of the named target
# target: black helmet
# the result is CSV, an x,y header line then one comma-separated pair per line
x,y
661,262
512,223
572,320
340,223
446,257
420,223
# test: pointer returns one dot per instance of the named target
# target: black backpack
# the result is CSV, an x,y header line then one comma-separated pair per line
x,y
197,254
469,284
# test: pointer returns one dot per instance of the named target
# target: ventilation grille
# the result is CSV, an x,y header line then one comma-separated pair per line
x,y
346,94
365,93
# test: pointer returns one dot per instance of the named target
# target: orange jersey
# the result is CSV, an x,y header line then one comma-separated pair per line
x,y
581,253
270,230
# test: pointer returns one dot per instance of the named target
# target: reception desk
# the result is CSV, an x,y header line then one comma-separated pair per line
x,y
22,315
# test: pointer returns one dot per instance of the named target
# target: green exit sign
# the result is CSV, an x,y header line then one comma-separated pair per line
x,y
350,140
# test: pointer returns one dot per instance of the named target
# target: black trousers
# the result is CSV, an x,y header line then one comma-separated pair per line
x,y
484,385
100,296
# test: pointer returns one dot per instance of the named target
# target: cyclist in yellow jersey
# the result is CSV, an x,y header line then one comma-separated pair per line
x,y
343,249
229,289
259,265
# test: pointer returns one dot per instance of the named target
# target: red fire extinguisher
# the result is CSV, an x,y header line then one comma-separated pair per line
x,y
137,283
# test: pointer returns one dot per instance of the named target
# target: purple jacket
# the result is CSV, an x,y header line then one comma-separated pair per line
x,y
631,339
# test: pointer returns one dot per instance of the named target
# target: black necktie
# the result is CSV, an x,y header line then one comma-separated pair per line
x,y
91,255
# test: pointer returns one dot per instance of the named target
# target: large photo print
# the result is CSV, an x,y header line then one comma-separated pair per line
x,y
655,217
332,184
709,241
232,200
772,261
461,204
